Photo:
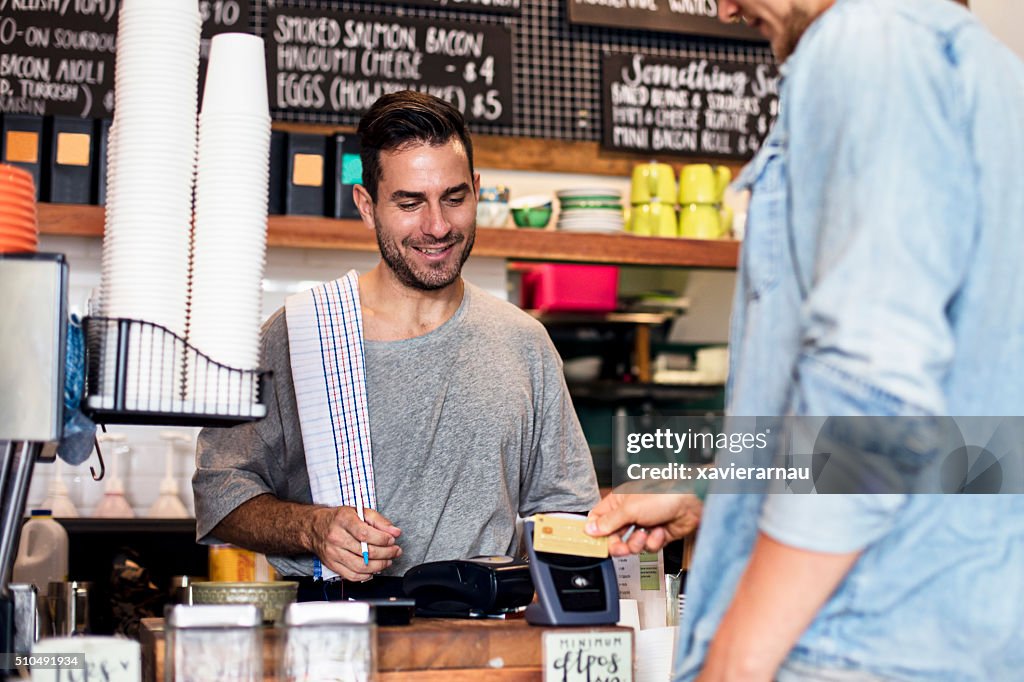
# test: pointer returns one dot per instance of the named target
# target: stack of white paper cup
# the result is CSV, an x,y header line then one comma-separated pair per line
x,y
151,166
229,245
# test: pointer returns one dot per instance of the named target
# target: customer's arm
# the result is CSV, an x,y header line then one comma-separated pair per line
x,y
777,598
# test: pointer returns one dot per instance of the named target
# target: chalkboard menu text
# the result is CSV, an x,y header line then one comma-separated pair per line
x,y
224,16
328,61
491,6
57,56
693,107
692,17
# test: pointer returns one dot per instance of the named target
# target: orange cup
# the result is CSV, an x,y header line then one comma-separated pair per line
x,y
18,247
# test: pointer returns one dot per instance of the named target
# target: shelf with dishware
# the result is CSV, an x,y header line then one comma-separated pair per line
x,y
151,550
607,360
549,245
614,317
642,322
620,392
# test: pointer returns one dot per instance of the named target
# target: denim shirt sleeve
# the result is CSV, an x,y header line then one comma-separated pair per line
x,y
882,211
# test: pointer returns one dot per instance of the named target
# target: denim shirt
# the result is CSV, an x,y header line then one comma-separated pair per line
x,y
881,275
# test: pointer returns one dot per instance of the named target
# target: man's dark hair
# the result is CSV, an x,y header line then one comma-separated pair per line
x,y
404,118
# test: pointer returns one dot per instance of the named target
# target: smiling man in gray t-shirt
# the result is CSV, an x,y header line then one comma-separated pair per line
x,y
470,420
471,425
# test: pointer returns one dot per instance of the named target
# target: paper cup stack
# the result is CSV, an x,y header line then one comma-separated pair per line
x,y
18,224
229,245
151,165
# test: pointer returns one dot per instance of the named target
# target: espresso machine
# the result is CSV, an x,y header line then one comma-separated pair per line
x,y
33,339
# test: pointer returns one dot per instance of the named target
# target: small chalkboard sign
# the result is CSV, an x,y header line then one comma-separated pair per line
x,y
691,17
319,60
584,656
57,58
692,107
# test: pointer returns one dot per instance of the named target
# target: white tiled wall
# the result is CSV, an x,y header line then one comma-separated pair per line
x,y
141,470
287,271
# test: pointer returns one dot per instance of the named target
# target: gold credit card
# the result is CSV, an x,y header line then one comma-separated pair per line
x,y
561,535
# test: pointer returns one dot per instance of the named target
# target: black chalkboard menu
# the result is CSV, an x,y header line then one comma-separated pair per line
x,y
691,17
223,16
491,6
58,57
693,107
319,60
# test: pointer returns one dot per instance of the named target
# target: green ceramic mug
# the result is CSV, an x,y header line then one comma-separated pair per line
x,y
653,182
654,220
700,221
700,183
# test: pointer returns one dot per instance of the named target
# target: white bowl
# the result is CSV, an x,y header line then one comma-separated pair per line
x,y
582,369
531,201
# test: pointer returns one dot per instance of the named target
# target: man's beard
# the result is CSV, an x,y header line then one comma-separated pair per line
x,y
433,278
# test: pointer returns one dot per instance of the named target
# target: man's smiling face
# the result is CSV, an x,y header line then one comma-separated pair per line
x,y
425,214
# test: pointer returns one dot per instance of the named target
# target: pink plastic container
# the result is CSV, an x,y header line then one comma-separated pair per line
x,y
562,287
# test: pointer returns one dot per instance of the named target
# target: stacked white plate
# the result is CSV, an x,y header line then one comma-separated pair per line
x,y
151,165
590,209
229,246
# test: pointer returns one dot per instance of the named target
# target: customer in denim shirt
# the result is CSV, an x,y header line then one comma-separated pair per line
x,y
881,275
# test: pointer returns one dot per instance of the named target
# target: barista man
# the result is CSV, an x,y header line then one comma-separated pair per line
x,y
470,420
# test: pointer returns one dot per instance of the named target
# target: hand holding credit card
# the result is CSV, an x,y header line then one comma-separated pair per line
x,y
564,535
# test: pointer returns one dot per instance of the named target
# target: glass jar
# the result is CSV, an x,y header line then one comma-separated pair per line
x,y
213,643
328,641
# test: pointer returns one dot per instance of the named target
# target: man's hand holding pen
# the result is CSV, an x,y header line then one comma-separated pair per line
x,y
338,534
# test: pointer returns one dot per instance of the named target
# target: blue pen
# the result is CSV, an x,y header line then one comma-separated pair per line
x,y
362,545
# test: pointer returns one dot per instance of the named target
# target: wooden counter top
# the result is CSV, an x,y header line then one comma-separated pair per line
x,y
428,650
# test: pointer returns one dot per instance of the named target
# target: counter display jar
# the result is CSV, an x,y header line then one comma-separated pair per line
x,y
328,641
222,643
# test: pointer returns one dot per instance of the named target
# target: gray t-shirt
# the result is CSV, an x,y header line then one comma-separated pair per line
x,y
470,425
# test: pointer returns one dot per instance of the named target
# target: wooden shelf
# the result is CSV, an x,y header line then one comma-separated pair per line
x,y
615,317
550,245
603,391
128,525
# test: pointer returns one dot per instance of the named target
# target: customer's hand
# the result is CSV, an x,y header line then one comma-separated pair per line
x,y
658,518
337,532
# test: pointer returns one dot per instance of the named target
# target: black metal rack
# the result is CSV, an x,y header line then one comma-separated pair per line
x,y
139,372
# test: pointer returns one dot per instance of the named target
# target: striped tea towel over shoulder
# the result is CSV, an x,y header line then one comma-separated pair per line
x,y
325,335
